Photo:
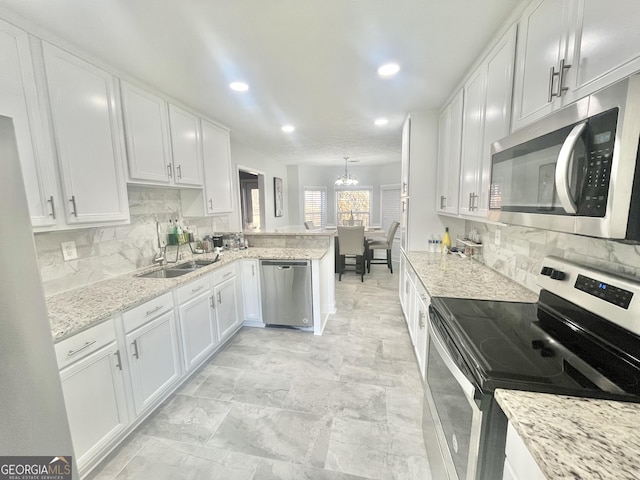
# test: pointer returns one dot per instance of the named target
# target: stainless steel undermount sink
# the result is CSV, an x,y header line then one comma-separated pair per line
x,y
178,270
165,273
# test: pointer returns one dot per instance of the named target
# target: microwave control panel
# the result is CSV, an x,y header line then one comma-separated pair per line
x,y
601,132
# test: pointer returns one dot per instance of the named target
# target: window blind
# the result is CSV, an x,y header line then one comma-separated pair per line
x,y
315,206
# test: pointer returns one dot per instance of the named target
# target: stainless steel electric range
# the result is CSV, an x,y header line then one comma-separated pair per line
x,y
581,338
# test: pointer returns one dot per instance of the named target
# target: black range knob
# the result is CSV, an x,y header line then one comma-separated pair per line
x,y
546,271
537,344
558,275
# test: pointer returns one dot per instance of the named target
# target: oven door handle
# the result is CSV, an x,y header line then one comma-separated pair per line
x,y
562,169
466,386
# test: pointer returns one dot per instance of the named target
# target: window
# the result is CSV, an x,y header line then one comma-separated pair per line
x,y
353,207
315,206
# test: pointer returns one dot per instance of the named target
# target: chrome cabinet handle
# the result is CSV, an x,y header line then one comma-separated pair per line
x,y
443,201
562,169
470,200
219,298
119,364
561,72
179,172
135,349
404,187
211,203
194,290
151,312
253,270
169,170
552,75
53,208
212,303
75,208
85,346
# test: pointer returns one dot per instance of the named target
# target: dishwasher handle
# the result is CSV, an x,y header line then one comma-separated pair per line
x,y
284,263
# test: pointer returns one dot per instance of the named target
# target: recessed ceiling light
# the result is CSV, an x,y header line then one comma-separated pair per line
x,y
388,69
239,86
381,121
288,128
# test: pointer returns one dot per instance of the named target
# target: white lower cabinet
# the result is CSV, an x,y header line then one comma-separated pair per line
x,y
422,302
153,359
519,463
94,393
226,297
251,298
197,322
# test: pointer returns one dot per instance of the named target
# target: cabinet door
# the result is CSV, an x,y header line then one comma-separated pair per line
x,y
422,314
607,45
19,100
449,138
185,146
472,134
406,155
227,316
497,110
146,126
153,359
94,395
542,42
216,156
198,329
251,291
88,138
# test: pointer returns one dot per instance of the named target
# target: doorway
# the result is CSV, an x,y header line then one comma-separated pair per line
x,y
252,199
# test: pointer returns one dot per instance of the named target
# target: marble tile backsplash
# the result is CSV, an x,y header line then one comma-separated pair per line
x,y
522,249
105,252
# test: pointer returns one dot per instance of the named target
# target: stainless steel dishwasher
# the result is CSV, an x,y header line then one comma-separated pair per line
x,y
286,292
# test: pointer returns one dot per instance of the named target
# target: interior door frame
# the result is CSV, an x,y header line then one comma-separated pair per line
x,y
261,188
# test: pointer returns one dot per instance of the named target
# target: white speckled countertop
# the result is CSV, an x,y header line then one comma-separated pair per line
x,y
576,438
75,310
454,276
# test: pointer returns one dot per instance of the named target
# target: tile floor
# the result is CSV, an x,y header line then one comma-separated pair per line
x,y
287,405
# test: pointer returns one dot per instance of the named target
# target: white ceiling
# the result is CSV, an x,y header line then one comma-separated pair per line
x,y
311,63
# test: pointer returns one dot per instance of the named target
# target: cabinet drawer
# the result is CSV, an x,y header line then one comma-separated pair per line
x,y
422,292
84,343
194,288
224,273
138,316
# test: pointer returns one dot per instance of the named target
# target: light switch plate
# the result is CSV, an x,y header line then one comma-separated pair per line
x,y
497,237
69,251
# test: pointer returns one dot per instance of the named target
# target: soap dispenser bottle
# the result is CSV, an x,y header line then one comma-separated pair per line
x,y
446,241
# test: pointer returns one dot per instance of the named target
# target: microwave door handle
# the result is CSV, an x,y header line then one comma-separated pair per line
x,y
562,169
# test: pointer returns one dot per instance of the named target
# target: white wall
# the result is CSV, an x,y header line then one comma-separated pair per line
x,y
251,159
324,176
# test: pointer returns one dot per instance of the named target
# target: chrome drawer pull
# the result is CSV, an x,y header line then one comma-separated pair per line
x,y
194,290
86,345
227,274
53,208
135,349
151,312
119,364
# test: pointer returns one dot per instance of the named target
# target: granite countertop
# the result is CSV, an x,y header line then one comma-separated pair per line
x,y
75,310
576,438
454,276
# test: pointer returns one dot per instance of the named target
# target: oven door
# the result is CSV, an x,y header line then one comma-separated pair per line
x,y
452,420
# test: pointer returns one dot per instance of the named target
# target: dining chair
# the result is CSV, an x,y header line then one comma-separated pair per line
x,y
351,244
309,226
373,245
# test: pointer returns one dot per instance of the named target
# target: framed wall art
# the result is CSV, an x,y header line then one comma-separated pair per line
x,y
278,196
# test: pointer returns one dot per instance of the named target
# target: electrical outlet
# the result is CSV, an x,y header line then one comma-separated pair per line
x,y
69,251
497,237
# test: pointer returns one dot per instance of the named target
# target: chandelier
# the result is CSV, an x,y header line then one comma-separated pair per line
x,y
346,179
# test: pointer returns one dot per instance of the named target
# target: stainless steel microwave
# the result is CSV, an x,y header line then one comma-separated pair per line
x,y
576,170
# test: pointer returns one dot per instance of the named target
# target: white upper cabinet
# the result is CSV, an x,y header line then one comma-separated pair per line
x,y
88,137
472,133
542,59
406,142
497,110
449,136
607,46
186,147
146,123
19,100
568,49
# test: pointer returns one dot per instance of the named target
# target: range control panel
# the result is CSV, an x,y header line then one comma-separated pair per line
x,y
605,291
